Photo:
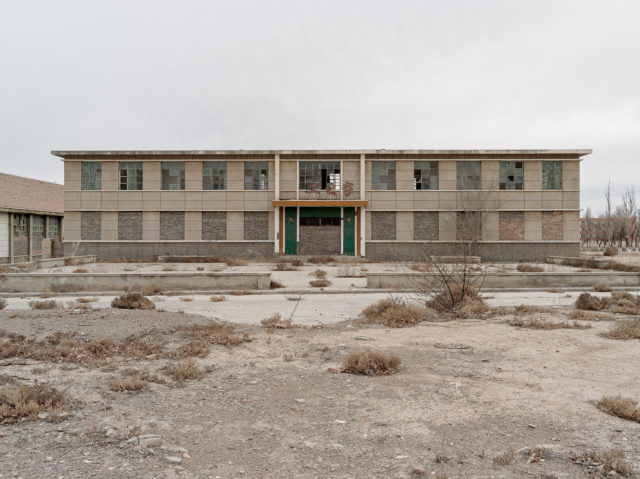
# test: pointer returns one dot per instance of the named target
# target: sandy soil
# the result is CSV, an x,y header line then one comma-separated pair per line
x,y
467,391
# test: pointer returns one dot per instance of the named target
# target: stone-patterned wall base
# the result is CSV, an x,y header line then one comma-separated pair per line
x,y
319,240
130,225
214,225
256,225
383,225
172,225
90,225
426,225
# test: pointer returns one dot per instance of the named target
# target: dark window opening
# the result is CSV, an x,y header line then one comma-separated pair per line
x,y
319,221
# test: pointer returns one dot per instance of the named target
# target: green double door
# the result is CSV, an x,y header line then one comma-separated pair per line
x,y
348,226
291,231
349,231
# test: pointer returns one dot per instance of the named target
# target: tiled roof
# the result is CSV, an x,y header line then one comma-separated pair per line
x,y
19,193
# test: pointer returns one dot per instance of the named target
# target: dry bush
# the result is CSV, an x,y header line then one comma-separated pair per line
x,y
320,260
610,251
625,329
239,292
152,290
216,299
319,273
25,401
47,293
275,284
320,283
607,461
236,262
132,301
200,268
145,375
499,311
215,333
527,308
275,321
80,270
86,300
505,458
535,454
592,303
297,262
196,348
626,268
130,383
602,287
462,302
3,303
282,266
168,268
186,298
4,269
546,475
546,324
623,407
527,268
394,313
370,362
44,304
587,315
183,370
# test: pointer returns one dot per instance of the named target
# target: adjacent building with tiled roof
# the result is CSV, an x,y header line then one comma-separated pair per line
x,y
31,214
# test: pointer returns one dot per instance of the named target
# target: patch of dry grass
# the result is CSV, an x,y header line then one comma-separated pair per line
x,y
275,284
186,299
607,461
535,454
602,287
610,251
130,383
297,262
370,363
592,303
199,268
275,321
85,299
321,259
80,270
184,370
505,458
623,407
527,308
588,315
394,313
18,401
625,329
537,323
283,266
239,292
152,290
319,273
44,304
527,268
132,301
320,283
235,262
217,299
461,302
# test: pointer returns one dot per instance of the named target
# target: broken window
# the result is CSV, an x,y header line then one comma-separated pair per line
x,y
383,175
91,175
130,175
511,175
256,175
54,227
468,175
173,175
20,225
318,175
551,175
425,175
214,175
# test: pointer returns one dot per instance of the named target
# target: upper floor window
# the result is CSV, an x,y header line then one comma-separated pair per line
x,y
320,175
383,175
131,175
468,175
256,175
425,175
173,175
551,175
511,175
91,175
214,175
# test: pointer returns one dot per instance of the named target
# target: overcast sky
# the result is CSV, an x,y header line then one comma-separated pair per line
x,y
298,74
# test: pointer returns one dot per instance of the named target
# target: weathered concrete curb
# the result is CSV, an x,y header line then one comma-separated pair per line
x,y
57,262
68,282
412,281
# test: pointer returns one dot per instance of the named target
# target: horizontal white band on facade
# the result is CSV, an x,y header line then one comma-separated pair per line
x,y
166,241
479,241
308,192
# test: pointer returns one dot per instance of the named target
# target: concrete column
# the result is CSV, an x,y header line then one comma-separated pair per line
x,y
276,226
297,179
363,229
277,179
362,186
30,235
11,248
46,227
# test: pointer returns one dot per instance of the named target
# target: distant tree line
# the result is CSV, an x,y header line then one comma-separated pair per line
x,y
616,225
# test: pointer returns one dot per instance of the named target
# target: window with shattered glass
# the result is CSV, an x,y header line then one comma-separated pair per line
x,y
319,174
173,175
468,175
256,175
511,175
425,175
383,175
214,175
551,175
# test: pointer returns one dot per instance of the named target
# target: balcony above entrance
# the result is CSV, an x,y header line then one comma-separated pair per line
x,y
320,203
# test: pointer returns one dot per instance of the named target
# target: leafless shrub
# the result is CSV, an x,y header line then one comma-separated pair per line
x,y
4,269
275,321
625,329
321,260
25,401
535,454
132,301
168,268
505,458
610,251
199,268
236,262
238,292
626,268
275,284
370,363
47,293
216,299
623,407
44,304
152,290
320,283
3,303
186,298
442,459
183,370
319,273
535,323
546,475
459,300
607,461
85,299
527,308
297,262
527,268
282,266
602,287
587,315
80,270
215,333
394,313
592,303
130,383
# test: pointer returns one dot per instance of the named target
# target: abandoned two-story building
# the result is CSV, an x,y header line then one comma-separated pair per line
x,y
382,204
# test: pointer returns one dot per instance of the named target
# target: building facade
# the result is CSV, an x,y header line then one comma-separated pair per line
x,y
384,204
31,223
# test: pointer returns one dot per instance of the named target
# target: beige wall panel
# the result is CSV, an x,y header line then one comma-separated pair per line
x,y
151,225
214,200
571,199
72,175
151,175
404,226
404,205
470,200
235,175
109,200
533,175
425,205
490,178
130,200
552,200
151,200
235,225
235,205
447,225
193,175
367,225
110,175
193,200
404,196
72,200
254,196
287,194
532,200
571,226
72,225
404,175
512,200
490,226
257,205
272,175
447,200
367,177
351,172
235,196
172,201
532,225
570,175
109,225
447,173
193,226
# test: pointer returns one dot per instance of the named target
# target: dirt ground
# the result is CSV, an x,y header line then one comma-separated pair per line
x,y
467,391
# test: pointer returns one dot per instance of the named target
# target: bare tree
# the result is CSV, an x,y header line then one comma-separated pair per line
x,y
608,215
587,228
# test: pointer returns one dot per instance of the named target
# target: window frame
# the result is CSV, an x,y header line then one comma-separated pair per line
x,y
419,167
216,179
556,176
54,226
507,167
136,178
474,180
311,172
376,183
258,179
20,226
91,176
166,175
